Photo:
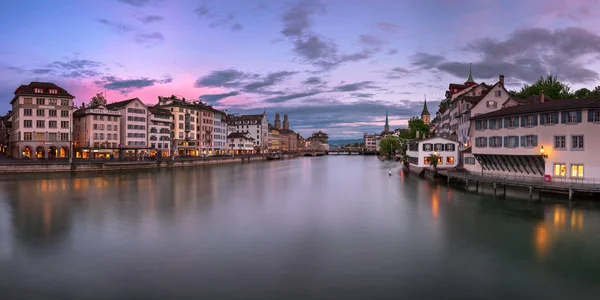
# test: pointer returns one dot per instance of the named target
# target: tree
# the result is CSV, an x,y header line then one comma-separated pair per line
x,y
355,145
415,125
97,100
389,145
551,87
582,93
433,160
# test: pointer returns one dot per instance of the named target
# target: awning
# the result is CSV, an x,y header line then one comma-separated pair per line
x,y
519,164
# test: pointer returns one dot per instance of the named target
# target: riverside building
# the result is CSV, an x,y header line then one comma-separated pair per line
x,y
160,122
96,132
133,127
551,140
183,131
41,121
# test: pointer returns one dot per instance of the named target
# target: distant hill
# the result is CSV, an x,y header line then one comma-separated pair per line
x,y
344,142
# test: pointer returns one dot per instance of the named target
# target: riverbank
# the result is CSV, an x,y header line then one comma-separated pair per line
x,y
95,166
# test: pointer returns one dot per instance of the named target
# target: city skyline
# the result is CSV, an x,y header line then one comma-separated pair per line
x,y
331,65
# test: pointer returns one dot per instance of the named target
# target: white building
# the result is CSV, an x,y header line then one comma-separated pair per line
x,y
559,138
41,121
419,152
205,128
160,122
220,132
183,131
133,127
257,126
371,142
240,143
96,132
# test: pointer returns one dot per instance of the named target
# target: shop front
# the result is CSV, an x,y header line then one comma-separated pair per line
x,y
90,153
187,148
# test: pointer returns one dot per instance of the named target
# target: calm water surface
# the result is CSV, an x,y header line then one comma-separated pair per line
x,y
333,227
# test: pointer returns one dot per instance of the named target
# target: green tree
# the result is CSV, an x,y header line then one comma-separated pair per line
x,y
433,160
362,144
355,145
389,145
595,92
551,87
97,100
583,93
415,125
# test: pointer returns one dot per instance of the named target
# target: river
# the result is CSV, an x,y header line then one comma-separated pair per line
x,y
334,227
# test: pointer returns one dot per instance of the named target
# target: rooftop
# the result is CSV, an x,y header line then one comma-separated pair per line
x,y
239,135
560,104
159,111
120,104
28,89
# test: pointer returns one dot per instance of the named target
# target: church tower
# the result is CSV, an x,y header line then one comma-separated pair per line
x,y
387,124
286,122
425,116
277,121
470,81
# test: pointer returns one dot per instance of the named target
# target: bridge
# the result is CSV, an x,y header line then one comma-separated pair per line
x,y
353,150
312,153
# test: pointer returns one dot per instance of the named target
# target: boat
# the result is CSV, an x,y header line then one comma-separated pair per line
x,y
273,157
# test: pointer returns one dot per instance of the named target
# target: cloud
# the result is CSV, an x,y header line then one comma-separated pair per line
x,y
289,97
526,55
248,82
217,18
136,2
392,51
397,73
370,40
309,46
212,98
116,26
125,86
362,95
42,71
149,39
314,80
150,19
351,87
388,27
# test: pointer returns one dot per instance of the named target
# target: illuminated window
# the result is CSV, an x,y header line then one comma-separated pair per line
x,y
27,101
577,171
560,170
450,160
38,90
427,160
53,91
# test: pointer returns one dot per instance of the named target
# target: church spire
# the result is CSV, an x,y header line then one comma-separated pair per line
x,y
387,125
425,113
470,79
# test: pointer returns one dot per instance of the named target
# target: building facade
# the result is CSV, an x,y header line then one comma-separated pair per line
x,y
419,152
205,128
274,139
183,131
256,126
220,132
551,140
41,121
133,127
160,122
240,143
96,132
371,142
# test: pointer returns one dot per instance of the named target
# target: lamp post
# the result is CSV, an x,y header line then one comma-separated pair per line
x,y
542,152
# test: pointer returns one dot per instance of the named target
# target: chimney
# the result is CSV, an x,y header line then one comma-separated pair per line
x,y
542,96
502,80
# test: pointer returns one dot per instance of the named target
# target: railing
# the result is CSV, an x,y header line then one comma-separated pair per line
x,y
583,184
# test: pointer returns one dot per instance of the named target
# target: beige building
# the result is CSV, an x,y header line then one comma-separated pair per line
x,y
205,128
41,121
274,139
240,143
96,132
160,122
183,131
133,127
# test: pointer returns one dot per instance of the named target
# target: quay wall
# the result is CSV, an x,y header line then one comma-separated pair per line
x,y
95,166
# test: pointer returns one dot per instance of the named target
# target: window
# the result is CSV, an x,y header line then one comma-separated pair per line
x,y
513,122
40,101
491,104
529,121
40,124
577,142
497,93
40,136
560,170
108,127
560,142
439,147
64,136
469,160
64,124
115,128
52,101
38,90
101,126
101,118
53,92
52,136
64,113
52,113
596,116
51,124
493,124
27,136
95,136
577,171
180,117
511,141
39,112
572,117
27,123
450,160
529,140
95,126
481,142
181,135
64,102
180,125
102,136
95,117
27,112
450,147
495,142
27,101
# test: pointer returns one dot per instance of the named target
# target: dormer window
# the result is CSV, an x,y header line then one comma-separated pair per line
x,y
53,91
38,90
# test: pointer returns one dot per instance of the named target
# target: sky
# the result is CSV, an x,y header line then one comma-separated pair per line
x,y
331,65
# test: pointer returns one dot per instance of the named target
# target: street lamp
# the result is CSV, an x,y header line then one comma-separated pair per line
x,y
542,152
